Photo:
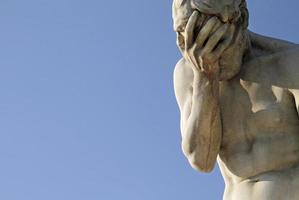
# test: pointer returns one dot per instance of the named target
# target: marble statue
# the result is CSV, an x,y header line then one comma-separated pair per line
x,y
238,94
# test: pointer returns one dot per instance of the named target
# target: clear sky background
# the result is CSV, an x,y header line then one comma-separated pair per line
x,y
87,104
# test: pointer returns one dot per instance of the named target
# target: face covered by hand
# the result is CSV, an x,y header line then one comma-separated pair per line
x,y
231,12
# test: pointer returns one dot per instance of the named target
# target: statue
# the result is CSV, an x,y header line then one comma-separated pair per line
x,y
238,94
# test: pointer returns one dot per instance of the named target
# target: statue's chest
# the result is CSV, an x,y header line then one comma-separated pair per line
x,y
251,112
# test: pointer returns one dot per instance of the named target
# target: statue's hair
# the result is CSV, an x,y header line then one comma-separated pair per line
x,y
182,10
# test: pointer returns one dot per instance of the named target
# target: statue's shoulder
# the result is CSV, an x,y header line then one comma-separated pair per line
x,y
269,44
273,61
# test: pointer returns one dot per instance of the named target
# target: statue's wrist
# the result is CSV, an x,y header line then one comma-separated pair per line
x,y
201,78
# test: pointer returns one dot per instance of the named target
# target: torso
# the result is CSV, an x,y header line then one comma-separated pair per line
x,y
260,148
259,155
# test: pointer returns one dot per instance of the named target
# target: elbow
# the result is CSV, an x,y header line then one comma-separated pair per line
x,y
198,160
200,165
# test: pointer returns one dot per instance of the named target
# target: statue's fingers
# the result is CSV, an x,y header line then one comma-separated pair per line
x,y
225,44
230,31
215,38
205,31
216,26
193,57
189,30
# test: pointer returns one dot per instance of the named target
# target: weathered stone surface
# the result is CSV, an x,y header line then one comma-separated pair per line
x,y
238,93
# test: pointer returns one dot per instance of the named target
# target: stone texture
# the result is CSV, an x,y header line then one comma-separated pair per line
x,y
238,93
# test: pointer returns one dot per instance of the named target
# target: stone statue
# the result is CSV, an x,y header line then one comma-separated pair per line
x,y
238,94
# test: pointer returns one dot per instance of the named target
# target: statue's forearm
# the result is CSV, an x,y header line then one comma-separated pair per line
x,y
202,131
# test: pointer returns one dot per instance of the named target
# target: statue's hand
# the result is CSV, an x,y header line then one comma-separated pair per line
x,y
204,50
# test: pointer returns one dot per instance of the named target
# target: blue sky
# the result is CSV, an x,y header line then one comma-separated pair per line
x,y
87,104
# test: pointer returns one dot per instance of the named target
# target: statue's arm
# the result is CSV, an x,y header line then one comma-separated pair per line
x,y
197,97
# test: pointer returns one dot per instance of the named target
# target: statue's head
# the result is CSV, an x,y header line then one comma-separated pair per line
x,y
227,11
